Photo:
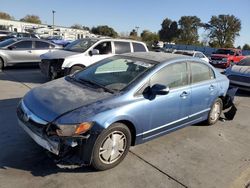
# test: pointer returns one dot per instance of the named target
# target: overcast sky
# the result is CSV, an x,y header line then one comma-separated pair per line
x,y
124,16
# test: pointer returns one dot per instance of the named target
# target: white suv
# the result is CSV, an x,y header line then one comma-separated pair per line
x,y
196,54
84,52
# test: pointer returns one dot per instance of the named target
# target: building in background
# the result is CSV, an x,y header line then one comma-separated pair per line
x,y
44,30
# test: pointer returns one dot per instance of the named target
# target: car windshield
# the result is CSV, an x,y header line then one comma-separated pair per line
x,y
244,62
224,52
80,45
7,42
113,74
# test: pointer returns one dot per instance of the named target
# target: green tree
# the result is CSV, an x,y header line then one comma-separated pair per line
x,y
246,47
133,33
79,26
104,30
6,16
76,26
149,38
169,30
189,30
31,19
223,30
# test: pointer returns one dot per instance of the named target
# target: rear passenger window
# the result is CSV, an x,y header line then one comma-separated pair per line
x,y
40,44
201,72
138,47
122,47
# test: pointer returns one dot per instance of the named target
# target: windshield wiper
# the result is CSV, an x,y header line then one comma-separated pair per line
x,y
96,84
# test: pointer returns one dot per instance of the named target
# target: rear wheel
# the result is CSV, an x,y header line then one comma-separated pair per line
x,y
76,68
111,147
215,112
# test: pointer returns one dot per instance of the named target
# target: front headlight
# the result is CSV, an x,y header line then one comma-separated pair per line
x,y
73,130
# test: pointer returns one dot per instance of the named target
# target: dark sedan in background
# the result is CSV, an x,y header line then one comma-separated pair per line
x,y
95,115
239,75
24,50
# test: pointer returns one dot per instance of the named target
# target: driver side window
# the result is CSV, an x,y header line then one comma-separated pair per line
x,y
23,45
104,48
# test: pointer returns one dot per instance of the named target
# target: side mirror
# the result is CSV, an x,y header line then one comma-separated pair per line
x,y
94,52
159,89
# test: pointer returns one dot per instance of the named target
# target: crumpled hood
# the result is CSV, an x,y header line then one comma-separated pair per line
x,y
58,54
60,96
240,69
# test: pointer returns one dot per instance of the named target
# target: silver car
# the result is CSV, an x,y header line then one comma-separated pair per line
x,y
25,50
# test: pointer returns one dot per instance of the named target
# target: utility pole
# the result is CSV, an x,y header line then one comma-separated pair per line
x,y
53,12
137,28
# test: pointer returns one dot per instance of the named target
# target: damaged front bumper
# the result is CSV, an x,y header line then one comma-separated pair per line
x,y
51,145
62,149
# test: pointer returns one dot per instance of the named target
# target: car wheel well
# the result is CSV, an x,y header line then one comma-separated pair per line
x,y
80,65
1,61
131,128
223,98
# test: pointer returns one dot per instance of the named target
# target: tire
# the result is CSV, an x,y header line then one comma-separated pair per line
x,y
1,64
75,69
111,147
215,112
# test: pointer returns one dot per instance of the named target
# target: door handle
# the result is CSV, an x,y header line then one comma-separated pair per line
x,y
29,51
184,94
211,87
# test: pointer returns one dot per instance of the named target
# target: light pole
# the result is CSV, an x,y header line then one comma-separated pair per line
x,y
53,12
137,27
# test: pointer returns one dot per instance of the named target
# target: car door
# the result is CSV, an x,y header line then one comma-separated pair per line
x,y
20,52
105,50
204,88
170,111
41,47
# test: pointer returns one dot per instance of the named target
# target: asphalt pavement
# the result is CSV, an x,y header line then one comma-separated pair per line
x,y
197,156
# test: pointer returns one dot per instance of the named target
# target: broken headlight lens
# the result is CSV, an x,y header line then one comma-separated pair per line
x,y
73,130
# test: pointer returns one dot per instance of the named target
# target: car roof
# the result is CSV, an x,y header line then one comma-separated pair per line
x,y
32,39
111,39
157,57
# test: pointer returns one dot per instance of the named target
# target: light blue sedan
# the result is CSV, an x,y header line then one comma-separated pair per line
x,y
94,116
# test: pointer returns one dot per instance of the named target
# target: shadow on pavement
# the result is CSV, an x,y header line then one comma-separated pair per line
x,y
19,151
25,74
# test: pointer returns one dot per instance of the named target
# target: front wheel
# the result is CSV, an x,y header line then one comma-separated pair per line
x,y
111,147
215,112
75,69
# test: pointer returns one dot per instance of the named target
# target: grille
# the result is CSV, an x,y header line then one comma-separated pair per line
x,y
216,58
29,120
